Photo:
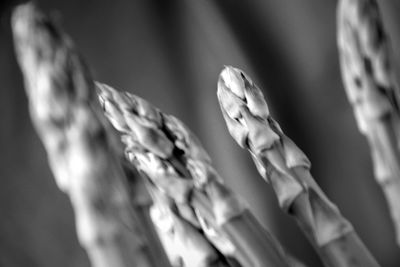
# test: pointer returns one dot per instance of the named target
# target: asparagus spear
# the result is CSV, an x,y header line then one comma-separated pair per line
x,y
163,175
372,91
85,166
172,157
185,245
282,164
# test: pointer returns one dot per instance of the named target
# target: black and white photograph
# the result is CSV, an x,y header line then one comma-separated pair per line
x,y
200,133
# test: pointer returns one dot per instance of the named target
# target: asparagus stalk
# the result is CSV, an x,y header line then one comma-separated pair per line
x,y
185,245
372,91
163,174
172,157
142,203
60,92
282,164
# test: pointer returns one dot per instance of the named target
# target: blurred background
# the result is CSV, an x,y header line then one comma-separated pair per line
x,y
171,52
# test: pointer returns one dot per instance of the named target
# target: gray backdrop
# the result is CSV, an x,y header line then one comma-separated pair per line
x,y
171,52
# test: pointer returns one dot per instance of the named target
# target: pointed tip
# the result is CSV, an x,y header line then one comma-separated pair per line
x,y
233,80
230,67
37,37
226,67
231,70
25,10
225,72
99,87
103,91
23,18
27,18
103,87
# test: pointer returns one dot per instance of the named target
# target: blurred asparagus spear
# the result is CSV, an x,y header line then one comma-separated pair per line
x,y
185,245
171,156
282,164
371,88
142,203
60,92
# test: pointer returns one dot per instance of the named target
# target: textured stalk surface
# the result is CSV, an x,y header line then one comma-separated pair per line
x,y
372,91
282,164
81,158
164,149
